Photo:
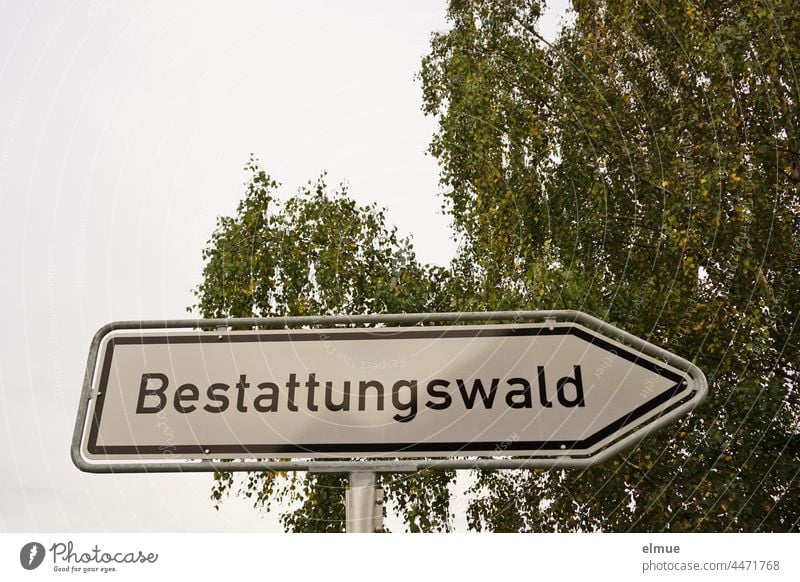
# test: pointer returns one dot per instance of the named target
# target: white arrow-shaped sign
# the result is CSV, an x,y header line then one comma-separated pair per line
x,y
544,390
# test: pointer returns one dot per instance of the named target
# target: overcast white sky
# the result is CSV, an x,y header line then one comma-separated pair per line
x,y
124,127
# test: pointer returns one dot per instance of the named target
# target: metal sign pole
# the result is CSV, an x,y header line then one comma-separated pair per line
x,y
364,504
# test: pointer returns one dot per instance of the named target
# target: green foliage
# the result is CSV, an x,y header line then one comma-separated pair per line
x,y
318,253
645,168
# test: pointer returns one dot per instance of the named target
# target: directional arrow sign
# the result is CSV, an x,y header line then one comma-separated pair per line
x,y
544,390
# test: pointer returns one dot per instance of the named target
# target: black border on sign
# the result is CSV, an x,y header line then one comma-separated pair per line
x,y
358,449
